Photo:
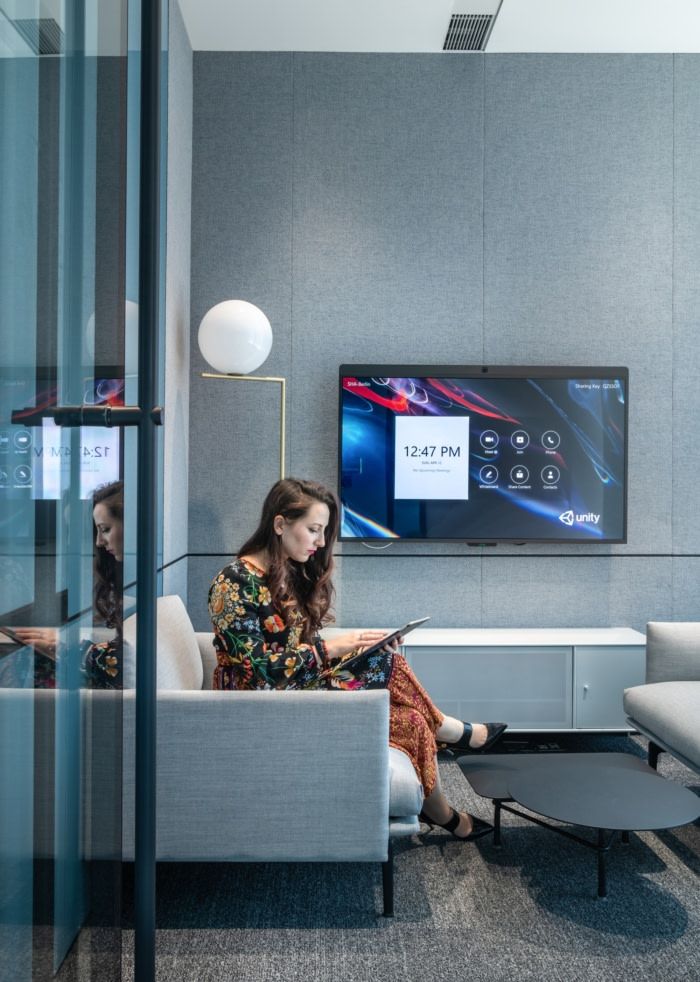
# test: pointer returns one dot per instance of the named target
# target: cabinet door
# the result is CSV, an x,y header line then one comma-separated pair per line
x,y
600,676
527,687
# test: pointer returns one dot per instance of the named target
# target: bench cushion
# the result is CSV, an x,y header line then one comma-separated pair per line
x,y
671,711
405,791
179,664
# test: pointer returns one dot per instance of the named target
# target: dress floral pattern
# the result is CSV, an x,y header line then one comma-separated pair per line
x,y
101,666
256,650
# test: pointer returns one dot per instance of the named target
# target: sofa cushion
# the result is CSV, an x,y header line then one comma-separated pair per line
x,y
179,664
405,791
670,711
673,651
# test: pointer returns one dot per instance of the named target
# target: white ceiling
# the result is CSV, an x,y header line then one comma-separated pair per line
x,y
420,25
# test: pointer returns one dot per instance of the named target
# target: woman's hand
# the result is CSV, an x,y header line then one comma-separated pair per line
x,y
349,641
42,639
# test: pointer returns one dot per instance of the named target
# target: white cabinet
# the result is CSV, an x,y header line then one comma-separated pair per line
x,y
600,676
549,679
533,679
528,687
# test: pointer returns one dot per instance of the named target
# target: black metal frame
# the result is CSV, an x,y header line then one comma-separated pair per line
x,y
600,846
653,754
388,882
146,522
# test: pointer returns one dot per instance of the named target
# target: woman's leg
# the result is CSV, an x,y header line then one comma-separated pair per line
x,y
414,722
405,688
452,730
437,807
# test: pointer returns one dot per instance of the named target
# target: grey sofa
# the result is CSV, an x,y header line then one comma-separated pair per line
x,y
241,776
666,709
266,776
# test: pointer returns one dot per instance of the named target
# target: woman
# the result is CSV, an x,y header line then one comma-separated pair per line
x,y
101,661
267,607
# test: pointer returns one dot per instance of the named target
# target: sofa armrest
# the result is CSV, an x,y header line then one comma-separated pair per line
x,y
673,651
268,776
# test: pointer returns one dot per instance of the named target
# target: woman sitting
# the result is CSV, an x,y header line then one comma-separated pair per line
x,y
267,608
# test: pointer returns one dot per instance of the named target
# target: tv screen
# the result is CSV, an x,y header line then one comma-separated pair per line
x,y
483,454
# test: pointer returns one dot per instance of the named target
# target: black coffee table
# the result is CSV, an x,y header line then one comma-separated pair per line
x,y
608,792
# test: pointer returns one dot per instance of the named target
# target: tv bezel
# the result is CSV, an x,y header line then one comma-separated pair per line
x,y
479,371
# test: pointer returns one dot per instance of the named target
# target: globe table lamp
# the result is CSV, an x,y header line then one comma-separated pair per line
x,y
235,338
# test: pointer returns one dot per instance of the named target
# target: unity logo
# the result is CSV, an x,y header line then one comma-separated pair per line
x,y
568,517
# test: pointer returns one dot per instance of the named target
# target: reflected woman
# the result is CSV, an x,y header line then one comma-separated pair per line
x,y
101,661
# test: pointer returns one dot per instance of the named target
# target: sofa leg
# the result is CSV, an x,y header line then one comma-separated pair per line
x,y
388,883
653,754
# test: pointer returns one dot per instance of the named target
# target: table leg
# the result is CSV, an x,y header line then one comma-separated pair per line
x,y
602,882
497,823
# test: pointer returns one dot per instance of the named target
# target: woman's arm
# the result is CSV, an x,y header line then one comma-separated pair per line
x,y
353,642
42,639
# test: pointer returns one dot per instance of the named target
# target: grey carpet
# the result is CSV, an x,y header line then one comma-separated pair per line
x,y
463,911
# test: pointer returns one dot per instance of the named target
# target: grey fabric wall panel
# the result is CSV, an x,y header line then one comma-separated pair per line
x,y
386,591
686,312
361,201
387,260
176,579
686,578
581,591
241,249
578,213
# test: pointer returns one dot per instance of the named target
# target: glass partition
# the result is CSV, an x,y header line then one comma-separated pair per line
x,y
69,165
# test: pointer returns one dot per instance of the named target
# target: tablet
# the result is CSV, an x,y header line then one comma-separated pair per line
x,y
406,629
377,646
8,637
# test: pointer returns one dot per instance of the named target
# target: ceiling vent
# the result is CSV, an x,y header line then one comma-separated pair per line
x,y
470,32
43,35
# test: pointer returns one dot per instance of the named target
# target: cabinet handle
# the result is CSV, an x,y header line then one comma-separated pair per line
x,y
585,690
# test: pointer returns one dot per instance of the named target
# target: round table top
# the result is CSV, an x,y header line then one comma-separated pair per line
x,y
603,797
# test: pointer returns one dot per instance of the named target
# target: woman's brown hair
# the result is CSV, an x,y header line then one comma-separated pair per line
x,y
306,587
108,570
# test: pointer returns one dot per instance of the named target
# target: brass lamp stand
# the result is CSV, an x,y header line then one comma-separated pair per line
x,y
283,402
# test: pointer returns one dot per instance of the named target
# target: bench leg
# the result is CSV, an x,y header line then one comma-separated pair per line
x,y
653,754
388,883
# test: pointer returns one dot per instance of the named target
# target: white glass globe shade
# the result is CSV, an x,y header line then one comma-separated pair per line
x,y
235,337
131,338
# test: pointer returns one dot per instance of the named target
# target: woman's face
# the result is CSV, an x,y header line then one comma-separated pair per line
x,y
110,531
301,538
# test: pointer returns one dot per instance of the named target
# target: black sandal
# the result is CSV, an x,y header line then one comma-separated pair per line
x,y
479,827
494,732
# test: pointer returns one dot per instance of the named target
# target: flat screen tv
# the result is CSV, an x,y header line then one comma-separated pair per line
x,y
483,454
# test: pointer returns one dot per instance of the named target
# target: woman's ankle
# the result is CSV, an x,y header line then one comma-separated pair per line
x,y
450,730
437,807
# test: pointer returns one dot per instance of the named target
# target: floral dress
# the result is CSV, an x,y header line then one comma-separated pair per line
x,y
101,666
255,649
